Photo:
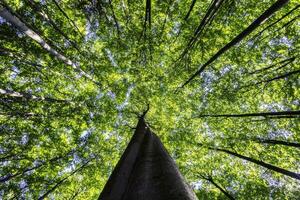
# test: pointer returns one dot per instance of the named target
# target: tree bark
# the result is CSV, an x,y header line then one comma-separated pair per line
x,y
46,17
260,163
276,6
214,7
146,171
272,24
210,179
284,62
262,114
5,13
278,142
68,18
62,181
190,10
28,96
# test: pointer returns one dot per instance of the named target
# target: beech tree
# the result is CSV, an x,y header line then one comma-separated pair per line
x,y
76,76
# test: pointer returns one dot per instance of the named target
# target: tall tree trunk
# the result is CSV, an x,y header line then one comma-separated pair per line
x,y
28,96
5,13
190,10
146,171
260,163
276,6
72,23
278,142
211,11
272,24
292,113
62,181
284,62
35,7
210,179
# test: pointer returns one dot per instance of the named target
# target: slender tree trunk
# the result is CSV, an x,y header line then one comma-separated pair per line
x,y
46,17
278,142
276,6
272,24
212,10
62,181
260,163
10,176
190,10
279,77
5,13
210,179
67,17
284,62
294,113
28,96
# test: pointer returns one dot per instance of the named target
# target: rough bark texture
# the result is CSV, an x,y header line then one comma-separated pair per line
x,y
146,172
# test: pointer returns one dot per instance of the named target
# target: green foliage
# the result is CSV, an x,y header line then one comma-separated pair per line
x,y
54,119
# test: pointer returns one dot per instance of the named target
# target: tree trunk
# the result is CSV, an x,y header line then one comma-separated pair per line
x,y
72,23
62,181
190,10
284,62
261,163
5,13
294,113
35,7
211,11
28,96
272,24
146,171
278,142
276,6
210,179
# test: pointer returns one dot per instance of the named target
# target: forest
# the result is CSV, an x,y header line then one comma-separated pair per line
x,y
220,77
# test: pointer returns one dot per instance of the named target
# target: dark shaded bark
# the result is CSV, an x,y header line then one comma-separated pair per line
x,y
46,17
62,181
211,12
117,182
267,81
287,24
284,62
276,6
210,179
10,176
147,18
190,9
23,171
278,77
262,114
272,24
278,142
260,163
68,18
146,171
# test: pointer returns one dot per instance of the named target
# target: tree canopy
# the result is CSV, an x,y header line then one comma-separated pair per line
x,y
221,78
